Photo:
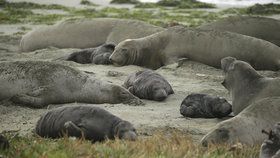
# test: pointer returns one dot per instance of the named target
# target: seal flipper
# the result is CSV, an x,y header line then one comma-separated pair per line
x,y
33,99
73,130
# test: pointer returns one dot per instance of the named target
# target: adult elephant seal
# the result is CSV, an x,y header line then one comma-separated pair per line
x,y
198,105
97,55
147,84
245,84
39,83
90,122
271,147
246,127
86,33
260,27
204,46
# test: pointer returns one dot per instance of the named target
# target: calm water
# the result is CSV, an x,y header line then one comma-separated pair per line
x,y
219,3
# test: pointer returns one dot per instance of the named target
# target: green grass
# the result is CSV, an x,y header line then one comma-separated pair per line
x,y
86,2
186,4
265,9
125,1
161,145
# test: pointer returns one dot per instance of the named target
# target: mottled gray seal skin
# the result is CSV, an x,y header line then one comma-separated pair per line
x,y
245,84
90,122
98,55
247,126
147,84
39,83
204,46
86,33
204,106
260,27
271,147
4,143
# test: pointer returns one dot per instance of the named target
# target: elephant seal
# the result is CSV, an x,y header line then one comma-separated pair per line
x,y
4,143
90,122
198,105
271,147
245,84
39,83
247,126
260,27
97,55
205,46
86,33
147,84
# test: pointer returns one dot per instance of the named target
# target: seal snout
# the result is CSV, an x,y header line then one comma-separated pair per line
x,y
130,135
160,95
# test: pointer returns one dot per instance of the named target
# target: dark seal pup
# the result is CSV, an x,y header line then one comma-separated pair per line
x,y
39,83
204,46
260,27
4,143
271,147
147,84
90,122
245,84
97,55
204,106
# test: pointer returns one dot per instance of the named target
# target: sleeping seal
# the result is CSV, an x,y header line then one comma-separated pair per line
x,y
147,84
90,122
86,33
245,84
260,27
205,46
39,83
247,126
97,55
271,147
204,106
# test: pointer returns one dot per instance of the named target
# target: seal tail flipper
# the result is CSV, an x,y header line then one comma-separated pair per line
x,y
73,130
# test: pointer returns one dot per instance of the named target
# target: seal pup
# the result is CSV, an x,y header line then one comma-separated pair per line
x,y
205,46
246,127
245,84
39,83
198,105
90,122
148,84
97,55
4,143
86,33
271,147
260,27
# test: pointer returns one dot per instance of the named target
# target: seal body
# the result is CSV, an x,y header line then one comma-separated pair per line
x,y
147,84
271,147
204,106
86,33
260,27
247,126
245,84
90,122
98,55
205,46
39,83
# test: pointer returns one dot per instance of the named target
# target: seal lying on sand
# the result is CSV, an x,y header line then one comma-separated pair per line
x,y
98,55
260,27
204,46
271,146
204,106
39,83
90,122
245,84
246,127
4,143
147,84
86,33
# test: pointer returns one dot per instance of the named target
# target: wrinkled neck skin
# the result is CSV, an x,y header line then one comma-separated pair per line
x,y
95,91
150,50
243,87
114,131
